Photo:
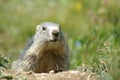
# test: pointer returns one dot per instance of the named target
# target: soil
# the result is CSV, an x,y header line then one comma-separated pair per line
x,y
65,75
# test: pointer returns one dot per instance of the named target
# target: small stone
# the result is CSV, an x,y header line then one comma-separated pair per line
x,y
51,71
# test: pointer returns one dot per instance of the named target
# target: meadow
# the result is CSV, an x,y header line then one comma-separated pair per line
x,y
92,30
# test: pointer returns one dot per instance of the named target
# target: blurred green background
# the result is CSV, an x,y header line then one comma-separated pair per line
x,y
91,27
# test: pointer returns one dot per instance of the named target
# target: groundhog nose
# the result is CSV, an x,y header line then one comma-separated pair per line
x,y
55,33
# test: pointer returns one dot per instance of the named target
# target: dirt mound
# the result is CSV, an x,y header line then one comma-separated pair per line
x,y
66,75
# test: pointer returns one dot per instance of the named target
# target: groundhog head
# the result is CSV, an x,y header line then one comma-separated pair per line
x,y
48,32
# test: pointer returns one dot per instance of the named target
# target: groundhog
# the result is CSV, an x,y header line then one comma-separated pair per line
x,y
46,50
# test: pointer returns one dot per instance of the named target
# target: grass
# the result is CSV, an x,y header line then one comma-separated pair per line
x,y
92,29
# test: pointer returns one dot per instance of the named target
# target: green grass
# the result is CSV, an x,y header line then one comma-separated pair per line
x,y
92,29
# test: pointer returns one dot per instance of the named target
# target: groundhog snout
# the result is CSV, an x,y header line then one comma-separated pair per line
x,y
55,35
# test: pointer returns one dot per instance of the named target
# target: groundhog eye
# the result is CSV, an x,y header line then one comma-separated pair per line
x,y
43,28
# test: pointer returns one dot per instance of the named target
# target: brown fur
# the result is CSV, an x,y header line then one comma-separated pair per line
x,y
43,55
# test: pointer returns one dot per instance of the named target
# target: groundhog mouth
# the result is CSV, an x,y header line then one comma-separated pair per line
x,y
54,40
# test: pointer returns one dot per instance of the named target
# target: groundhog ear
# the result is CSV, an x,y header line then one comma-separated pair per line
x,y
38,27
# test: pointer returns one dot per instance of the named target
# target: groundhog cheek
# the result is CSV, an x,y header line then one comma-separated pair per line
x,y
50,36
